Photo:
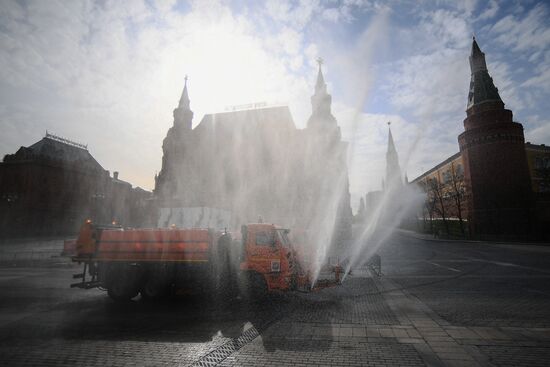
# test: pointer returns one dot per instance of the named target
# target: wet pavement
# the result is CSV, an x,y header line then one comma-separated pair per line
x,y
437,303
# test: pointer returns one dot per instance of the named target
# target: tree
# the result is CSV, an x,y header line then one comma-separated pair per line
x,y
436,193
429,203
457,191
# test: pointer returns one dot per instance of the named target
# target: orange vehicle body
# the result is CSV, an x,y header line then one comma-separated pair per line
x,y
278,262
128,261
135,245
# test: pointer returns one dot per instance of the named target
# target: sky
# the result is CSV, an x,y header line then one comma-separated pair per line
x,y
109,73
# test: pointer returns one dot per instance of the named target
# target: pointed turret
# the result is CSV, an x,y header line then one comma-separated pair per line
x,y
184,100
391,145
321,116
496,174
482,88
320,85
183,116
476,51
393,171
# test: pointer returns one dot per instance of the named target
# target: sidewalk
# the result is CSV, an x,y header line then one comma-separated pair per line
x,y
367,321
429,237
31,250
413,336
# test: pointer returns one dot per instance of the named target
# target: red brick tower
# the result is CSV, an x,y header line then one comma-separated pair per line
x,y
495,164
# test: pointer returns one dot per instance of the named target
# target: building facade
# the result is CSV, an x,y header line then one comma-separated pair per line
x,y
242,166
51,187
449,176
445,190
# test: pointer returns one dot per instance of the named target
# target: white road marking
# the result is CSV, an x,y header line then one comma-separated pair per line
x,y
511,265
444,267
504,264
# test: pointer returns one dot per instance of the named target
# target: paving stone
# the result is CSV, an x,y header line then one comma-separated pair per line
x,y
373,332
410,340
489,316
355,302
462,334
510,355
359,332
386,333
335,354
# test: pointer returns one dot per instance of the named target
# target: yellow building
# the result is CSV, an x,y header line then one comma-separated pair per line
x,y
444,184
538,159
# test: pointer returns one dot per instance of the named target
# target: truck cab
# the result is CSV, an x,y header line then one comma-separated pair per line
x,y
268,258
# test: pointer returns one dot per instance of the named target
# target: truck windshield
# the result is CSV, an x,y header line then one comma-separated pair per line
x,y
281,233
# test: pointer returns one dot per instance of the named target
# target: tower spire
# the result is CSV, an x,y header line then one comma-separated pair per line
x,y
393,171
321,117
184,100
391,145
482,88
183,115
320,85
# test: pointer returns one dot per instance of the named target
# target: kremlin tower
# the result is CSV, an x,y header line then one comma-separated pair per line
x,y
495,165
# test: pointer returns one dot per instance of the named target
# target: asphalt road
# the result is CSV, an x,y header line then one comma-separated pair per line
x,y
437,303
474,283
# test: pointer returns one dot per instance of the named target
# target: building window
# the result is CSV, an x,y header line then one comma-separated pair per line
x,y
459,170
446,176
538,162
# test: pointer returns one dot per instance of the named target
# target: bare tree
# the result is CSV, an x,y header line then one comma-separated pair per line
x,y
429,204
436,190
457,190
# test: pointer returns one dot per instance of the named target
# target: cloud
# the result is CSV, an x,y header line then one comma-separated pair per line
x,y
295,14
490,11
541,79
109,74
524,33
539,129
431,85
117,72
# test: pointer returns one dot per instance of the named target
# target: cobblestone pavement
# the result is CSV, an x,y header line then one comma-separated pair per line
x,y
437,304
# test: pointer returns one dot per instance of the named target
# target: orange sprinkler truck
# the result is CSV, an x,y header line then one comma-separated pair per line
x,y
155,262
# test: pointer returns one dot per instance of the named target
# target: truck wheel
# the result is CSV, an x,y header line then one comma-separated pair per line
x,y
123,284
121,292
154,289
256,288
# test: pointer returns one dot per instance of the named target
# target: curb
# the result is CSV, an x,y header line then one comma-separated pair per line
x,y
418,236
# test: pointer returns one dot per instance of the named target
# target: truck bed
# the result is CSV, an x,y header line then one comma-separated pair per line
x,y
181,245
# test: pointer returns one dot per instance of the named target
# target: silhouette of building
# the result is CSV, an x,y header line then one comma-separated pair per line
x,y
52,186
393,181
393,170
495,165
503,190
237,166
